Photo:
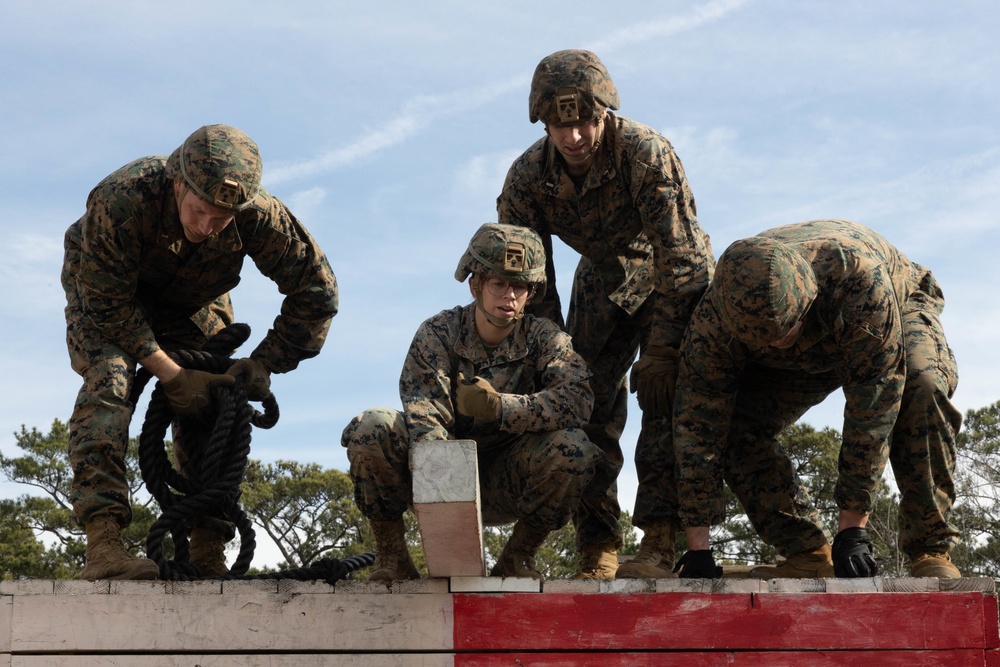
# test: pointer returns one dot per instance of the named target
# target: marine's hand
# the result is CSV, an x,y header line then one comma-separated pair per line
x,y
190,392
698,564
256,376
478,399
852,554
654,377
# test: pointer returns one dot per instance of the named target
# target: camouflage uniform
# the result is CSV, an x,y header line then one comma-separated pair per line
x,y
871,327
135,285
533,465
645,262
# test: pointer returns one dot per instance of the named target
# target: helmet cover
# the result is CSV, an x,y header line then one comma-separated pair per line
x,y
220,164
570,87
762,288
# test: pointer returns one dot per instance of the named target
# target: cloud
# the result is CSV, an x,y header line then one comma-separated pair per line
x,y
29,275
305,203
647,30
415,115
419,112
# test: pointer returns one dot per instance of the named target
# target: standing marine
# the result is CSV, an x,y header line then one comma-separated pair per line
x,y
615,191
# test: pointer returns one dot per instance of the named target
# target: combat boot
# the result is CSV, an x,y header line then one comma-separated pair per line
x,y
598,561
518,556
655,559
934,565
815,564
392,558
107,557
208,552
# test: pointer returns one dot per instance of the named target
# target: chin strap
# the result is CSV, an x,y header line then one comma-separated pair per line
x,y
600,132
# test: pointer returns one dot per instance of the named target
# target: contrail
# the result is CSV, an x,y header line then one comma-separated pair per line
x,y
420,111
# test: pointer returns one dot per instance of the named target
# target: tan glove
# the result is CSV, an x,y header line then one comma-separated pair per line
x,y
190,392
654,377
478,399
256,376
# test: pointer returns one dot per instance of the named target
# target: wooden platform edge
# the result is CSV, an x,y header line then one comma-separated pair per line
x,y
428,621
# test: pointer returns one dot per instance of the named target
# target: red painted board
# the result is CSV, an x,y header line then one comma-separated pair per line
x,y
947,658
991,621
884,621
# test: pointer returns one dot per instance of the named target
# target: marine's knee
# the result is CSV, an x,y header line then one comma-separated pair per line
x,y
571,450
371,427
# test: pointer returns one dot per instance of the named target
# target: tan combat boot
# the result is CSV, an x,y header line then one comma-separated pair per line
x,y
815,564
518,556
392,558
598,561
208,552
107,557
655,559
934,565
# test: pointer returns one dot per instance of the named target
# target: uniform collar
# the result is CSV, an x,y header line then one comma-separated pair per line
x,y
470,346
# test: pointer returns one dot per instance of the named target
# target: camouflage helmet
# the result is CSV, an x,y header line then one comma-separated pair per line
x,y
220,164
570,87
762,288
510,252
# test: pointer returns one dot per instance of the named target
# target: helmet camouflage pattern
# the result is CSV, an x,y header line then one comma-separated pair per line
x,y
570,87
762,288
510,252
220,164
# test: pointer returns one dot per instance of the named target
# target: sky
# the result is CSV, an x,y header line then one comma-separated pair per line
x,y
388,128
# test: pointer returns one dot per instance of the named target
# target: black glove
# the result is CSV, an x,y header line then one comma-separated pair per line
x,y
190,392
256,376
698,564
852,554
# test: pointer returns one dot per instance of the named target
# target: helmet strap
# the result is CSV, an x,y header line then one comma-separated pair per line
x,y
600,134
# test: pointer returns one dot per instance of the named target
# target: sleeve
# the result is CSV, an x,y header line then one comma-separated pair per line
x,y
704,401
425,385
518,205
565,400
682,253
285,252
108,271
872,344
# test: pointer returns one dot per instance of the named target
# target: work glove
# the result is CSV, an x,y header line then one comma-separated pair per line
x,y
190,392
654,376
698,564
256,377
478,399
852,554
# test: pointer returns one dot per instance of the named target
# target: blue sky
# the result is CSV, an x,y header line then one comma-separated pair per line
x,y
388,127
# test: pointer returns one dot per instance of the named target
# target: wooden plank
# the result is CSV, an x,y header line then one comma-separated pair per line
x,y
237,660
6,622
231,623
949,658
447,506
773,621
991,621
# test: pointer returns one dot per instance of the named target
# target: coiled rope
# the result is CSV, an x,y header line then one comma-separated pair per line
x,y
210,485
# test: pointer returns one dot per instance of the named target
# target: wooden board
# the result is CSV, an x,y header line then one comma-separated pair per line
x,y
678,621
951,658
238,623
447,506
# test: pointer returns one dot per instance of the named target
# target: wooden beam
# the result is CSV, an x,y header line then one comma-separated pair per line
x,y
447,505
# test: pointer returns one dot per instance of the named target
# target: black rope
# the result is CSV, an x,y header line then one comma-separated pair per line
x,y
210,486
